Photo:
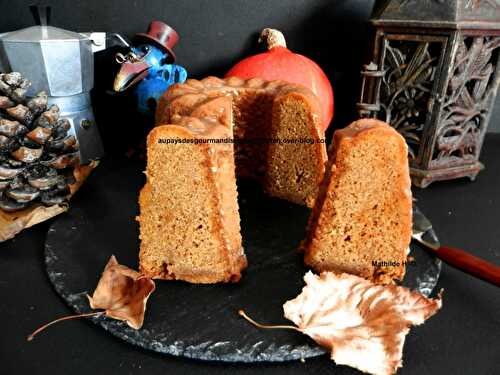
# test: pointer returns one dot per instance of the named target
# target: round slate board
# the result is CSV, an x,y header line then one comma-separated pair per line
x,y
196,321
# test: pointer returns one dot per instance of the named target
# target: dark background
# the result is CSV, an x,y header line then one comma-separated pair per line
x,y
215,34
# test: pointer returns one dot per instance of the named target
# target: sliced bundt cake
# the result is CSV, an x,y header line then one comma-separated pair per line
x,y
189,220
361,221
277,134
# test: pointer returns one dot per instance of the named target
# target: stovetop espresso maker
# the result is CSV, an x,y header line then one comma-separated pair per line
x,y
61,63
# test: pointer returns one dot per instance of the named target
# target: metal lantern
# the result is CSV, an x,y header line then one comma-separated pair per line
x,y
434,76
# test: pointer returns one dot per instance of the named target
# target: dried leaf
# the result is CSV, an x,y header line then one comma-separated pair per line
x,y
123,293
363,324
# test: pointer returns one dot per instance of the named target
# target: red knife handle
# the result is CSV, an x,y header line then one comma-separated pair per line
x,y
470,264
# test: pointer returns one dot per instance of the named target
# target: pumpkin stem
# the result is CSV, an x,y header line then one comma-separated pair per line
x,y
273,38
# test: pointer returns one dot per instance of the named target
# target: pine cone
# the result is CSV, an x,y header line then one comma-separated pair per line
x,y
37,155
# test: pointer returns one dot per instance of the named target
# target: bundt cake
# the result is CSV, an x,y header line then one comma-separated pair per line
x,y
189,220
276,129
207,130
361,221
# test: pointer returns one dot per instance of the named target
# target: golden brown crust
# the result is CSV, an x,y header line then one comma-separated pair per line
x,y
192,92
349,200
203,111
219,210
204,99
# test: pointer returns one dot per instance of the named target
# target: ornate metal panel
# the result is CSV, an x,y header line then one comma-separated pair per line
x,y
412,71
470,91
434,74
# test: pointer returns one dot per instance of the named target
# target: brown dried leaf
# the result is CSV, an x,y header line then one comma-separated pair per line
x,y
363,324
123,293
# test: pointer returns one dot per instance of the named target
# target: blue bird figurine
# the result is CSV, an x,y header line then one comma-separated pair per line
x,y
149,66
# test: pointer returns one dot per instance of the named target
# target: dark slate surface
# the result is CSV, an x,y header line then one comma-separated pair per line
x,y
188,320
463,338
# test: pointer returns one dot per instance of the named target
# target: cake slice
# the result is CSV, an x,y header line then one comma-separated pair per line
x,y
361,221
295,165
189,220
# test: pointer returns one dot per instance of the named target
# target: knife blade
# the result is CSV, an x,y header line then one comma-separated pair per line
x,y
457,258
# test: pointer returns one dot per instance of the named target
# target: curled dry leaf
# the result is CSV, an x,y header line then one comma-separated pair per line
x,y
123,293
363,324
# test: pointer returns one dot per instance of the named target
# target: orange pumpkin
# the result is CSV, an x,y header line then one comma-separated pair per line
x,y
281,63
